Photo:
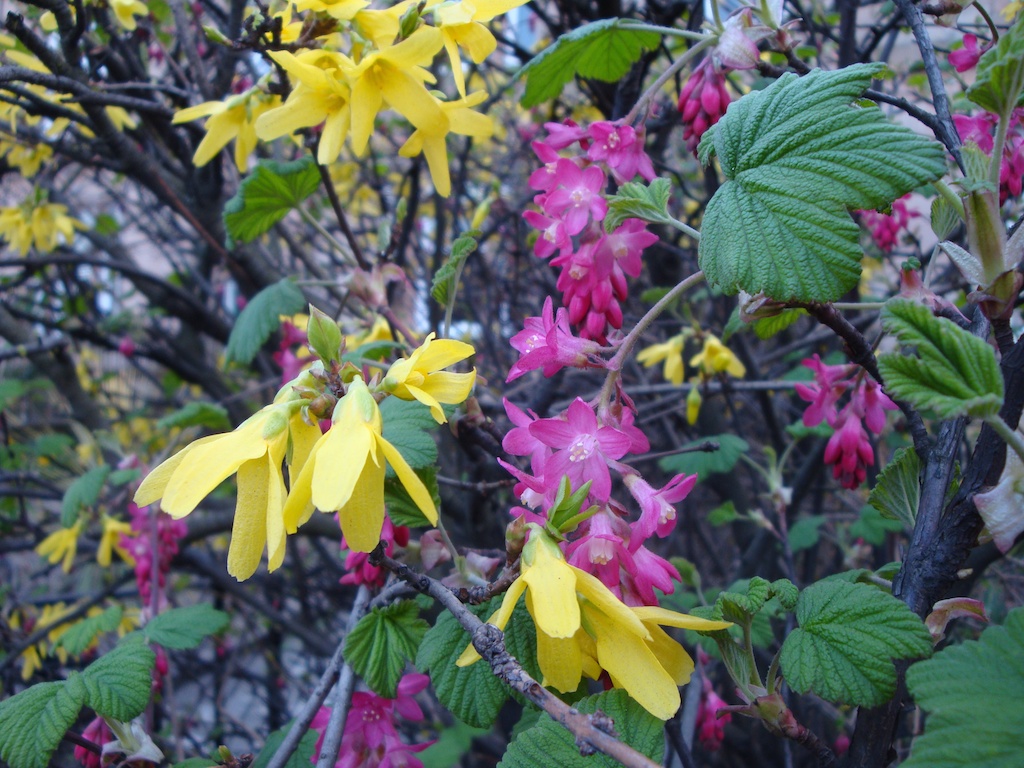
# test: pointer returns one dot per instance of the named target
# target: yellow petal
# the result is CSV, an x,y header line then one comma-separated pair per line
x,y
602,598
362,518
303,437
207,466
276,495
559,658
304,108
299,506
152,488
498,619
206,109
671,655
436,152
449,388
249,529
339,464
667,618
220,129
476,39
333,136
408,96
552,584
409,479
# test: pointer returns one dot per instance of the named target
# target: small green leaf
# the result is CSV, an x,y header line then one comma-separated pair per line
x,y
954,372
261,317
118,683
786,592
183,628
804,534
730,448
798,157
972,695
452,743
898,490
267,195
120,477
549,744
873,527
76,638
83,492
443,286
723,514
323,334
303,755
382,642
408,426
944,217
401,508
636,200
1000,74
198,762
848,637
766,327
197,414
33,722
473,694
603,50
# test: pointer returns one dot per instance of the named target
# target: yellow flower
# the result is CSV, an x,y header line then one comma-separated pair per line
x,y
110,540
379,331
419,376
430,139
671,352
382,26
694,400
27,159
583,628
345,472
715,357
61,544
232,119
255,450
1011,10
460,24
343,10
126,11
39,224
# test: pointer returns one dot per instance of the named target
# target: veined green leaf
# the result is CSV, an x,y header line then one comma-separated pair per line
x,y
183,628
443,286
636,200
267,194
898,490
848,637
383,641
972,695
1000,74
76,638
401,508
408,426
602,50
83,492
33,722
261,317
798,157
118,683
704,463
303,755
954,373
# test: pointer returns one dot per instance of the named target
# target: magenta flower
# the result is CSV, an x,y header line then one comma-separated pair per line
x,y
625,246
583,448
658,515
649,571
602,549
711,726
621,148
358,563
829,385
565,134
577,196
519,441
870,401
543,179
885,229
702,102
849,451
547,342
967,57
553,237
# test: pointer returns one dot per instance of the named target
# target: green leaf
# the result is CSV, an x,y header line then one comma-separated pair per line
x,y
873,527
848,637
118,683
79,636
954,373
730,448
443,286
197,414
261,317
766,327
267,195
636,200
803,534
798,157
198,762
521,638
452,743
401,508
382,642
1000,74
408,426
603,50
183,628
549,744
33,722
972,695
83,492
303,755
473,694
944,218
723,514
898,490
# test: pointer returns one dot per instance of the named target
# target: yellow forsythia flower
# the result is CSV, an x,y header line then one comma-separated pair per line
x,y
462,26
126,10
583,628
671,352
231,120
110,541
419,376
715,357
62,544
43,225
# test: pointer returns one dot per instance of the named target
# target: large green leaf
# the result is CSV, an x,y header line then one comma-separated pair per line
x,y
704,463
954,373
183,628
798,157
80,635
267,194
972,693
401,508
261,317
548,744
382,642
603,50
118,683
848,637
1000,74
33,722
83,492
473,694
898,490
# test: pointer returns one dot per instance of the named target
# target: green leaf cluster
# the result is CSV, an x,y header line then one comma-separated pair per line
x,y
383,641
267,195
954,372
184,628
848,637
1000,75
635,200
798,157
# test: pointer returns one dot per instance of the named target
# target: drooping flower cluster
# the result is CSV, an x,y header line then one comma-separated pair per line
x,y
849,450
885,228
370,738
152,550
593,263
980,129
703,101
711,726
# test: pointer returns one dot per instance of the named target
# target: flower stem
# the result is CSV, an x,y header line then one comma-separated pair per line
x,y
667,75
1010,436
949,196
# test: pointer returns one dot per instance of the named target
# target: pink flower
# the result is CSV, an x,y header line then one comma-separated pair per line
x,y
849,451
621,148
553,237
547,342
824,393
565,134
885,229
520,441
872,403
359,562
702,102
602,549
99,734
584,448
711,727
979,129
577,195
543,179
658,515
649,571
967,57
624,248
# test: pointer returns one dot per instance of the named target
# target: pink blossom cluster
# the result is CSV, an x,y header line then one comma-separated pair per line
x,y
358,563
594,264
99,734
980,129
370,738
585,447
849,450
885,228
141,545
703,101
711,725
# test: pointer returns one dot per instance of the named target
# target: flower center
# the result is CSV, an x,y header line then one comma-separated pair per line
x,y
582,448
